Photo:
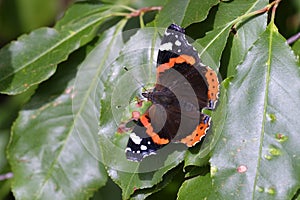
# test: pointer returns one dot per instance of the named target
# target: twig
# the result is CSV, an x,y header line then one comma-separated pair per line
x,y
265,9
144,10
293,39
240,19
276,3
8,175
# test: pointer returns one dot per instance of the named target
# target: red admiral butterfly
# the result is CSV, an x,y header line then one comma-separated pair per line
x,y
184,86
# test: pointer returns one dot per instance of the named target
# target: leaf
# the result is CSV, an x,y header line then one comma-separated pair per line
x,y
47,157
82,11
89,89
34,57
246,35
167,179
199,187
138,185
212,45
141,4
184,13
257,156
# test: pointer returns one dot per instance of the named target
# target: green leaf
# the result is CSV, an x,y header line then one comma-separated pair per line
x,y
34,57
81,11
212,45
184,13
89,88
166,184
199,187
246,35
45,153
141,4
257,156
141,185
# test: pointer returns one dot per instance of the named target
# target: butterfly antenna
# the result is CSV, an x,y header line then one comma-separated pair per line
x,y
140,83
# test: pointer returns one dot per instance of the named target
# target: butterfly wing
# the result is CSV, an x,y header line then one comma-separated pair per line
x,y
180,70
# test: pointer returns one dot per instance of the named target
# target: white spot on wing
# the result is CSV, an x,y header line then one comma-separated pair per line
x,y
167,33
166,46
143,147
127,149
136,139
177,43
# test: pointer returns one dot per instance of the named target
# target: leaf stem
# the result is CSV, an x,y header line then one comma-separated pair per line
x,y
276,2
142,24
122,14
134,13
141,11
127,8
137,13
240,19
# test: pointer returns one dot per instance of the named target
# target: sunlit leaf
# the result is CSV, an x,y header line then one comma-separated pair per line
x,y
184,13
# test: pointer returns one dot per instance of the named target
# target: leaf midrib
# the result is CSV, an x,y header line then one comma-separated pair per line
x,y
266,95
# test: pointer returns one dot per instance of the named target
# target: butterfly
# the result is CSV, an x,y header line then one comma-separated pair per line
x,y
184,86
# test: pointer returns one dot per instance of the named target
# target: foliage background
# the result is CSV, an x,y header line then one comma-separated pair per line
x,y
19,17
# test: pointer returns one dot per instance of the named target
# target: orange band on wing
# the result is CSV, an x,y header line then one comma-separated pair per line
x,y
180,59
213,84
149,130
196,136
